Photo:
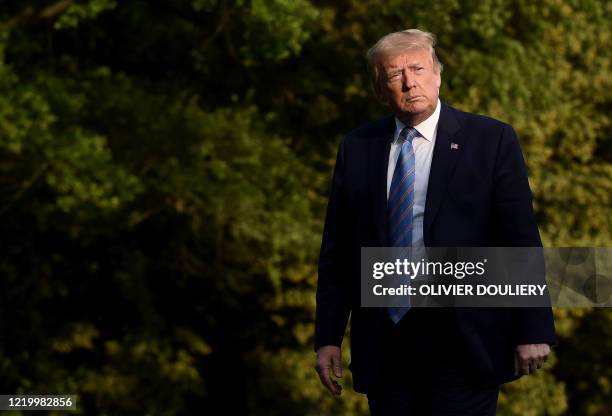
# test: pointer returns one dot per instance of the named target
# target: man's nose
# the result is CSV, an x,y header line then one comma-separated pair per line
x,y
408,80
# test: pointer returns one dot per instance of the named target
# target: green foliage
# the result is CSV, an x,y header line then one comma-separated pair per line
x,y
280,25
77,12
164,168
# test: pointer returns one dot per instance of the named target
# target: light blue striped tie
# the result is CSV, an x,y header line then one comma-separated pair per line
x,y
401,201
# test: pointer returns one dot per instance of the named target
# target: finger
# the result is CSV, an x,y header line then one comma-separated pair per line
x,y
327,381
324,376
544,352
320,372
522,365
337,363
338,387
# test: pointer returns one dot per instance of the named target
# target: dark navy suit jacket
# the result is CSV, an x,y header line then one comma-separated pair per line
x,y
478,196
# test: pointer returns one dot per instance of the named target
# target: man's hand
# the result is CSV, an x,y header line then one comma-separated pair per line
x,y
528,358
329,357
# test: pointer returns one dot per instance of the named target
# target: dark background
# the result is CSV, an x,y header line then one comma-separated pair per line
x,y
163,175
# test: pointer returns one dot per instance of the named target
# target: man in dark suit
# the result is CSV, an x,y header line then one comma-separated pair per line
x,y
430,176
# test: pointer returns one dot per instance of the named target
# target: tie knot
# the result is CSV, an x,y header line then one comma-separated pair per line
x,y
408,133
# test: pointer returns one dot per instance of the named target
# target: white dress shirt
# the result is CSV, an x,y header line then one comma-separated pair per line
x,y
423,152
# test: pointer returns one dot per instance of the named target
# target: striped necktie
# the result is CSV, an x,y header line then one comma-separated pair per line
x,y
400,203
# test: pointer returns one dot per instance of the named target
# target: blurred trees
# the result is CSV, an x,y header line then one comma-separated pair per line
x,y
163,178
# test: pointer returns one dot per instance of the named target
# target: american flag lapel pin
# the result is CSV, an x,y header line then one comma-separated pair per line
x,y
454,146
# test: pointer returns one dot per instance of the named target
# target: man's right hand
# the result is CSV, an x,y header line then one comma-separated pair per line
x,y
329,357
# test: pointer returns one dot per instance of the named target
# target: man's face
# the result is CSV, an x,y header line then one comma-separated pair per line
x,y
411,84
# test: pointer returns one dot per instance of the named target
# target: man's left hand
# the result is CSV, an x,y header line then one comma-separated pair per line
x,y
529,358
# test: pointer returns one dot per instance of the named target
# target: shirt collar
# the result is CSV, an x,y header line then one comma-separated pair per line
x,y
426,128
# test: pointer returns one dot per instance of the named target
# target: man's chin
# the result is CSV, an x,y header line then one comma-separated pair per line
x,y
414,109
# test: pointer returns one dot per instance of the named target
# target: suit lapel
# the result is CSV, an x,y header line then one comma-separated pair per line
x,y
447,150
378,162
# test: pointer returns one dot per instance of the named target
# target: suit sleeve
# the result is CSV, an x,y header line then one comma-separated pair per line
x,y
332,310
518,226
